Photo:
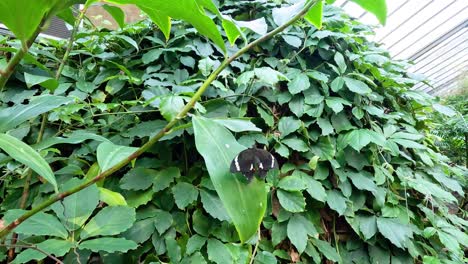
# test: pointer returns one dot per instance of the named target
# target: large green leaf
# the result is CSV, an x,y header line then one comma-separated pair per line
x,y
39,224
111,220
187,10
109,154
397,232
376,7
23,153
55,247
108,244
22,17
218,252
244,202
298,229
78,207
13,116
314,16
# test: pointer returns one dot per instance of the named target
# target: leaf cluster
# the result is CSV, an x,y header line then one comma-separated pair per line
x,y
361,180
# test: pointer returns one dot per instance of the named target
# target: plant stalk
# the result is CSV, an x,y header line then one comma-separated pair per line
x,y
57,197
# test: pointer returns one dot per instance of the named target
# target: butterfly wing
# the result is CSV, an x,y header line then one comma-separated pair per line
x,y
264,161
253,161
243,162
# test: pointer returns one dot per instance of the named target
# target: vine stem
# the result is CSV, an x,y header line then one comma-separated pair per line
x,y
57,197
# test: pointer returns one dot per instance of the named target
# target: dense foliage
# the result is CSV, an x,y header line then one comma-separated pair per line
x,y
453,131
361,180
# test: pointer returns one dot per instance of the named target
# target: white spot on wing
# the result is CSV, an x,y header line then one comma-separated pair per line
x,y
236,162
272,161
260,166
251,166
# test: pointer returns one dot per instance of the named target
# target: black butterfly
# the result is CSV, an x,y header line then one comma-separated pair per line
x,y
253,161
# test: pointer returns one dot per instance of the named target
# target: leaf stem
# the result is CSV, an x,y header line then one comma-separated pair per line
x,y
256,247
164,131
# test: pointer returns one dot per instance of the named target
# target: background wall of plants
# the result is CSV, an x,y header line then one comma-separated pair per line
x,y
361,177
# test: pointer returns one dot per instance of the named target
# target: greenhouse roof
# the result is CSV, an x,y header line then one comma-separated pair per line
x,y
433,34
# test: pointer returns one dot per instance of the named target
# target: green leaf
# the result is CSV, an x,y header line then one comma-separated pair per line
x,y
13,116
111,220
278,232
394,230
75,137
151,56
40,224
291,201
78,207
237,124
163,220
296,144
109,154
269,76
337,84
26,155
292,183
184,194
218,252
160,10
327,250
245,203
265,257
283,14
336,201
379,255
299,83
324,148
111,198
165,177
140,231
108,244
357,86
138,179
170,106
340,61
173,249
54,247
336,103
314,16
31,15
408,143
214,206
117,14
288,125
376,7
445,110
298,229
137,198
195,243
363,181
267,117
325,125
367,225
357,139
44,81
314,188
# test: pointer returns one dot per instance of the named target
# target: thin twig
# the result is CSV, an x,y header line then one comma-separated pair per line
x,y
256,247
6,230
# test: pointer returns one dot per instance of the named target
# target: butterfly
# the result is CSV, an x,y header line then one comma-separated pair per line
x,y
253,161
